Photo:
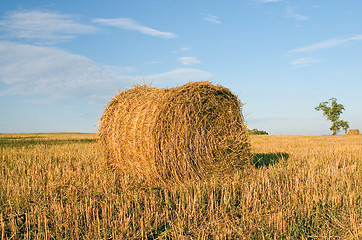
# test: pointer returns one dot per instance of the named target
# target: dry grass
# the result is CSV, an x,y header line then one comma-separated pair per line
x,y
56,186
175,134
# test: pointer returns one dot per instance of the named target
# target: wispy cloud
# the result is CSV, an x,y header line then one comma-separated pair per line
x,y
269,1
303,62
212,19
330,43
153,62
183,49
189,60
44,26
290,12
46,71
179,76
130,24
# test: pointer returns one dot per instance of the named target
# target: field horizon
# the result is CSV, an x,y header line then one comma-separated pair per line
x,y
59,186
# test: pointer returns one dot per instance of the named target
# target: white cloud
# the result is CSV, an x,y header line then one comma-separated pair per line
x,y
303,62
268,1
212,19
34,70
179,76
290,12
54,73
47,27
153,62
184,49
330,43
130,24
189,60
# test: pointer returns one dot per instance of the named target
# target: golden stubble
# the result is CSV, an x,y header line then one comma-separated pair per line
x,y
59,186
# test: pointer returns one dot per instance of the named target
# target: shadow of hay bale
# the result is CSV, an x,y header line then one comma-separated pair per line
x,y
260,160
171,135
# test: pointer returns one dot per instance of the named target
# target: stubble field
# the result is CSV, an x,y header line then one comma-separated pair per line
x,y
58,186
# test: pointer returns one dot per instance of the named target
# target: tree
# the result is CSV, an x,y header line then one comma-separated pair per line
x,y
332,110
257,132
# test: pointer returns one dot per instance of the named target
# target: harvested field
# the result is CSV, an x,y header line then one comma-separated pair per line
x,y
58,186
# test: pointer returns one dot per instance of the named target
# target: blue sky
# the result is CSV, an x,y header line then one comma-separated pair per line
x,y
61,61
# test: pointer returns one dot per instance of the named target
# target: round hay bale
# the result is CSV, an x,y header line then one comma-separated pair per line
x,y
353,132
187,132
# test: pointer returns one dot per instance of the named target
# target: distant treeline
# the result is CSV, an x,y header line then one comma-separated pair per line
x,y
257,132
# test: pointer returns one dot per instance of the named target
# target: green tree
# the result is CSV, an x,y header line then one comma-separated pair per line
x,y
332,110
257,132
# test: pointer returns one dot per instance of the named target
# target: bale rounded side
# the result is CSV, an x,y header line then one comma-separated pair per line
x,y
353,132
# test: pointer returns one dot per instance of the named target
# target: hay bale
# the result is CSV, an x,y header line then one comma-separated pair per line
x,y
353,132
174,134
